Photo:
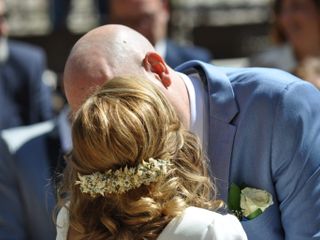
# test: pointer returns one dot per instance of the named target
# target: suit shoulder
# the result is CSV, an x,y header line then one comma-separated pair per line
x,y
25,49
263,77
264,88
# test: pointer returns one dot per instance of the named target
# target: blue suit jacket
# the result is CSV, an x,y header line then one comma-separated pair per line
x,y
24,98
177,54
26,188
264,132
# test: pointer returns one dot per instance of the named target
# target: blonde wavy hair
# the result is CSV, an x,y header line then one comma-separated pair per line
x,y
124,122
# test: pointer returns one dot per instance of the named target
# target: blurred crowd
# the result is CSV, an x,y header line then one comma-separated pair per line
x,y
36,133
296,37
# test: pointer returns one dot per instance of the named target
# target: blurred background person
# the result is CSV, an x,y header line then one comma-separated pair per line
x,y
296,33
60,9
24,98
28,177
150,18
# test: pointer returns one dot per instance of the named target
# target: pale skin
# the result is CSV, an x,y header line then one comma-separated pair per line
x,y
115,50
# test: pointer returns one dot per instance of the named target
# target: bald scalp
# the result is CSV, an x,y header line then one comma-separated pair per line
x,y
112,45
118,51
101,54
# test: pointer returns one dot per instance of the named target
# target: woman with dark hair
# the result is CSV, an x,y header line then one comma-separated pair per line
x,y
296,34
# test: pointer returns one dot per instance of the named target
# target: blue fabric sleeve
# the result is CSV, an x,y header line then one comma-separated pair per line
x,y
11,209
296,160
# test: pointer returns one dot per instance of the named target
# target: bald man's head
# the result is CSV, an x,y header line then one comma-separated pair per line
x,y
101,54
118,51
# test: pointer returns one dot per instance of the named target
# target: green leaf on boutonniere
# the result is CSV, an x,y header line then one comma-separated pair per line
x,y
234,200
234,197
255,214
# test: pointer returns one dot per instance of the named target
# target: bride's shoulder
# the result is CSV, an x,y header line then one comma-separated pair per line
x,y
198,223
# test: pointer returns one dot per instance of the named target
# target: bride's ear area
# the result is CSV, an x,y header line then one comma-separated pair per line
x,y
153,62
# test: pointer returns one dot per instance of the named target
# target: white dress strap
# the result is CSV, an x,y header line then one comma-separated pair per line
x,y
201,224
62,224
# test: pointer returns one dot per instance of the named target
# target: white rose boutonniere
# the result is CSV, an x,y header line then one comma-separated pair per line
x,y
248,203
253,200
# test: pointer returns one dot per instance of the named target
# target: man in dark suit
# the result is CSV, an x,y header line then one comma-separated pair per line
x,y
24,98
150,18
27,173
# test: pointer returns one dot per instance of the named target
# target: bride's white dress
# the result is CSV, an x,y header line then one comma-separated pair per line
x,y
194,224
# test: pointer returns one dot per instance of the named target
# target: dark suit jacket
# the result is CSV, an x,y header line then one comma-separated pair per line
x,y
24,98
177,54
26,182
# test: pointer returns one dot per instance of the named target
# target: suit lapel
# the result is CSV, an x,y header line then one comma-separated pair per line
x,y
220,152
222,109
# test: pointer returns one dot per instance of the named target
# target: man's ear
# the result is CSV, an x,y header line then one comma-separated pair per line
x,y
153,62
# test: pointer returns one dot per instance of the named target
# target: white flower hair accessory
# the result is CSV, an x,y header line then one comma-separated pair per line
x,y
124,179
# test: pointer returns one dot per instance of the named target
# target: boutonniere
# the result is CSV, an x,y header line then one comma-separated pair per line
x,y
248,203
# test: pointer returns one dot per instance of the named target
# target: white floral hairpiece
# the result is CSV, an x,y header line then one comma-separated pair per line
x,y
124,179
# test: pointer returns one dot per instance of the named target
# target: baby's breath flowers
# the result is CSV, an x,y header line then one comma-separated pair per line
x,y
124,179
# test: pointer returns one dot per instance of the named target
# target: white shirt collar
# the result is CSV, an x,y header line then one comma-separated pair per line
x,y
199,107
